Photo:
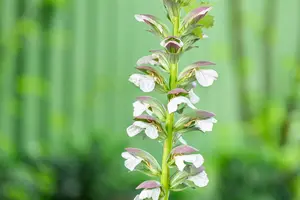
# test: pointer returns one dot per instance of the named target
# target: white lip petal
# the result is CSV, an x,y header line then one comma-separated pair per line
x,y
146,194
151,132
138,108
147,83
196,159
138,126
133,130
155,193
135,79
205,125
150,194
126,155
131,161
201,179
206,77
193,97
173,104
137,197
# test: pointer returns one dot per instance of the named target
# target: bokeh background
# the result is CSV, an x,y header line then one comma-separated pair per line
x,y
65,101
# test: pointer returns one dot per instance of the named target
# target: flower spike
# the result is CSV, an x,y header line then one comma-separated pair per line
x,y
155,119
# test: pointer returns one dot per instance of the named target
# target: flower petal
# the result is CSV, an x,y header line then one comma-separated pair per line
x,y
139,108
131,161
145,156
135,79
133,130
196,159
155,193
151,131
193,97
173,104
206,77
147,84
138,126
146,194
137,197
205,125
200,180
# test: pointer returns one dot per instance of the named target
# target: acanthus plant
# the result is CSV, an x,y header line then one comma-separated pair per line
x,y
167,123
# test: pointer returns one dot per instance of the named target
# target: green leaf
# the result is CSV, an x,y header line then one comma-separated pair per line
x,y
207,22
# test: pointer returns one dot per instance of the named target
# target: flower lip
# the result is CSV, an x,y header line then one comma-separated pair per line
x,y
178,91
175,102
148,185
195,66
184,149
146,118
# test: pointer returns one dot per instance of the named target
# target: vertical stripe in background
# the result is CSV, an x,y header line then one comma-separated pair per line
x,y
46,10
126,62
100,61
7,63
111,62
80,68
68,70
18,74
92,34
58,44
31,82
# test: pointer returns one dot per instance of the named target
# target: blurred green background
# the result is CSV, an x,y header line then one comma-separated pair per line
x,y
65,101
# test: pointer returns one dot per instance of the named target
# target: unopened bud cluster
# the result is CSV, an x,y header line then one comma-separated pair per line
x,y
167,123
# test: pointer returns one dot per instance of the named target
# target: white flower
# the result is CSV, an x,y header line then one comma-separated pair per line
x,y
193,97
149,194
138,126
145,82
196,159
139,108
206,77
173,104
201,179
137,197
205,125
147,60
131,161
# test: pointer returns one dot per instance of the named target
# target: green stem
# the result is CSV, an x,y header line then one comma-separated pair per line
x,y
165,177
